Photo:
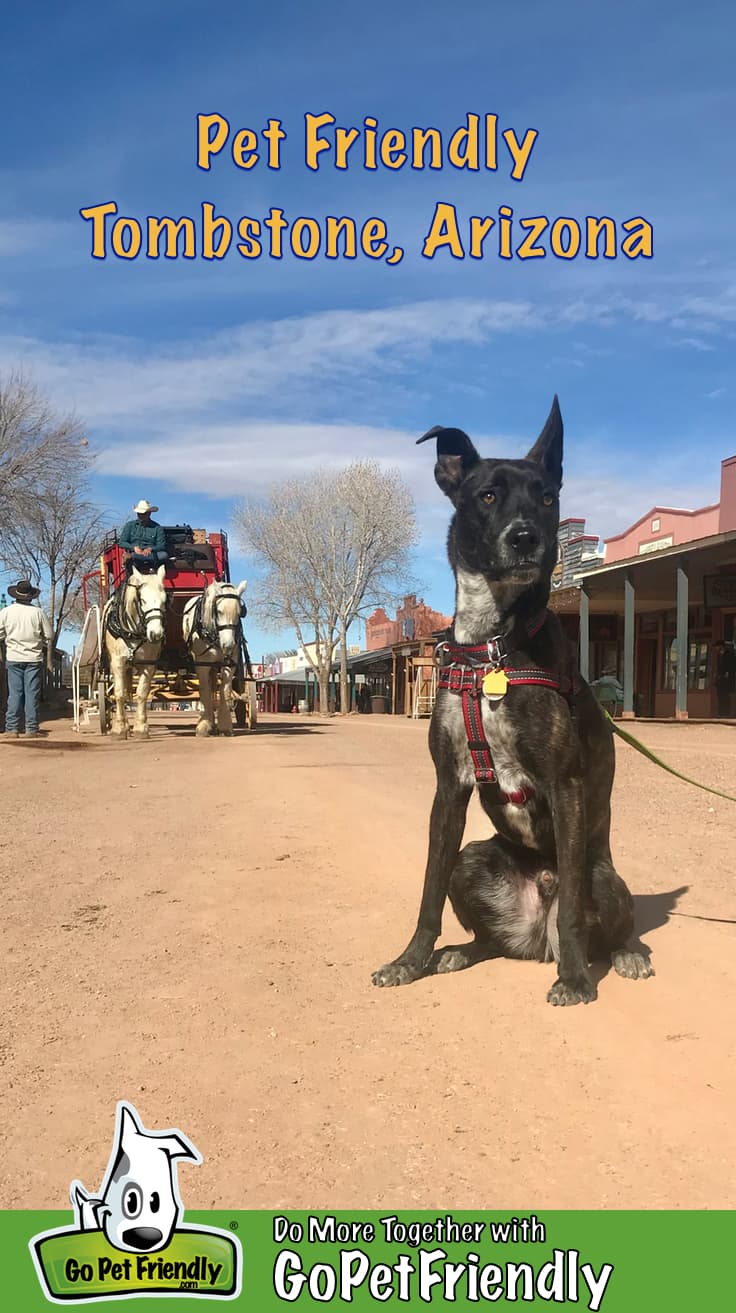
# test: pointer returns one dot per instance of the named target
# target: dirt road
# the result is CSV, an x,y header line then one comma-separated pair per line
x,y
192,925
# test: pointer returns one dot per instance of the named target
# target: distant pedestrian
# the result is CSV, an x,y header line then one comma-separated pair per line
x,y
725,676
26,630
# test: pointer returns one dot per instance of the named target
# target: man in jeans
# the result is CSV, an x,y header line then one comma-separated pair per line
x,y
25,629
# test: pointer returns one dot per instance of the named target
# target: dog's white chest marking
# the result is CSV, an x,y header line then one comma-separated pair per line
x,y
501,737
476,608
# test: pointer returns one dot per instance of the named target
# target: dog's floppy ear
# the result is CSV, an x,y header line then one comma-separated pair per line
x,y
456,455
548,447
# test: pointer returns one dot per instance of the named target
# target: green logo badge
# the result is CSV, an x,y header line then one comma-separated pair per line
x,y
128,1239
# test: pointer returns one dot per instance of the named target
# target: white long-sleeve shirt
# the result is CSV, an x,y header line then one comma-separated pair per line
x,y
25,629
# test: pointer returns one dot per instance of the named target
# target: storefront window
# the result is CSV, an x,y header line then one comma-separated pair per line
x,y
606,660
697,665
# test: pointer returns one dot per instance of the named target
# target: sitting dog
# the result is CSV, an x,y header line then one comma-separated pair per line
x,y
514,718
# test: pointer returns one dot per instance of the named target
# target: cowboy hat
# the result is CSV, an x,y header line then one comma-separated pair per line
x,y
24,590
144,507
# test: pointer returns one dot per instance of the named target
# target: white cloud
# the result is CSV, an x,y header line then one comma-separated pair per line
x,y
243,459
693,344
112,381
323,363
18,237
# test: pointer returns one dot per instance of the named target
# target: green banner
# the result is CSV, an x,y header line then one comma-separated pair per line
x,y
619,1262
83,1265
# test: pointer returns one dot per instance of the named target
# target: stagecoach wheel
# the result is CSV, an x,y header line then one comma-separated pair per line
x,y
251,705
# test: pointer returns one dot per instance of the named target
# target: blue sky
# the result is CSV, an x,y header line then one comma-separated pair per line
x,y
203,382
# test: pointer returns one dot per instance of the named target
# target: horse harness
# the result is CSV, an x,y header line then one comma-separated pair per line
x,y
478,670
209,631
117,621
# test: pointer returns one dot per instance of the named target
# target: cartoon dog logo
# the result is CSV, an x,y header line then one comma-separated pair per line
x,y
138,1206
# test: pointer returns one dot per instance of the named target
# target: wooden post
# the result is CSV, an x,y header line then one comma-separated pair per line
x,y
584,634
629,600
682,644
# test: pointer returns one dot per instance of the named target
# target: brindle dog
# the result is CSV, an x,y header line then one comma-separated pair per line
x,y
545,885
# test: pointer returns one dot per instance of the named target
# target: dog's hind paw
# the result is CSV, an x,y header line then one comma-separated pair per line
x,y
396,973
458,957
634,966
564,995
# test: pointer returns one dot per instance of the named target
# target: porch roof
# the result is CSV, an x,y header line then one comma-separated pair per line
x,y
654,574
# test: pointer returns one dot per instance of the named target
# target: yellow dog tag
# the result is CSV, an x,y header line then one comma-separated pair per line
x,y
495,683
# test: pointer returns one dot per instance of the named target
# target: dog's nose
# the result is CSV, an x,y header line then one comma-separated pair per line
x,y
524,538
142,1237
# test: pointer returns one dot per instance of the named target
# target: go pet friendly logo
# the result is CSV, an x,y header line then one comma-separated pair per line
x,y
127,1240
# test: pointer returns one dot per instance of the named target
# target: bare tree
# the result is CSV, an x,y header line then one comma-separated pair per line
x,y
371,534
283,534
49,531
54,541
36,446
331,546
271,658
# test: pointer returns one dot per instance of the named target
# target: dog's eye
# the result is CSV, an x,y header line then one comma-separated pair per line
x,y
155,1202
132,1201
488,496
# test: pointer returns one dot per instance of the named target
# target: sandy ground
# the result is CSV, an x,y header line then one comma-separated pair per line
x,y
192,925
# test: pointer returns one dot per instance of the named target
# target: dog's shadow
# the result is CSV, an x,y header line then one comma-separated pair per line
x,y
651,911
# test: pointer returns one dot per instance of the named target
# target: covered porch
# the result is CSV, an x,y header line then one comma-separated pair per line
x,y
680,600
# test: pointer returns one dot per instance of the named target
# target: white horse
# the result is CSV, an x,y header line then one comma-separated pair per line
x,y
133,630
213,632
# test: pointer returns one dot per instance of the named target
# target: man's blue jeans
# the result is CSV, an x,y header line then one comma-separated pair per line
x,y
24,695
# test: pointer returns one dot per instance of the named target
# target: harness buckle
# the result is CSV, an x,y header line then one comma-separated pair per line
x,y
497,651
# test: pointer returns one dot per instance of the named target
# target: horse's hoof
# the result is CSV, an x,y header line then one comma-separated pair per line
x,y
141,734
203,730
119,734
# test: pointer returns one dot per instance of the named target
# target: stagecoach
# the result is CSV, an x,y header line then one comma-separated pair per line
x,y
196,560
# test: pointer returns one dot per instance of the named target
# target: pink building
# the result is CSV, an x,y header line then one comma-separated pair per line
x,y
666,526
652,612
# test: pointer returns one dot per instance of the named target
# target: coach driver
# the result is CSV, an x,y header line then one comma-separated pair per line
x,y
144,539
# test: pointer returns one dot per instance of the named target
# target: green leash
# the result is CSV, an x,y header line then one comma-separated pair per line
x,y
635,743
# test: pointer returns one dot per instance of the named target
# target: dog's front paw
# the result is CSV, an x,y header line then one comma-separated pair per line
x,y
564,994
634,966
401,972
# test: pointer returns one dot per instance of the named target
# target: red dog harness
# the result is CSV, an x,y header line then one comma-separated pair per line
x,y
466,669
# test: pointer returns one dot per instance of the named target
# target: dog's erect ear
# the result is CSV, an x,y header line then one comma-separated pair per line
x,y
456,455
548,447
176,1146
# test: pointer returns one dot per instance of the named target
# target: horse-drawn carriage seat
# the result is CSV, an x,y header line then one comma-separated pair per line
x,y
184,553
194,556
